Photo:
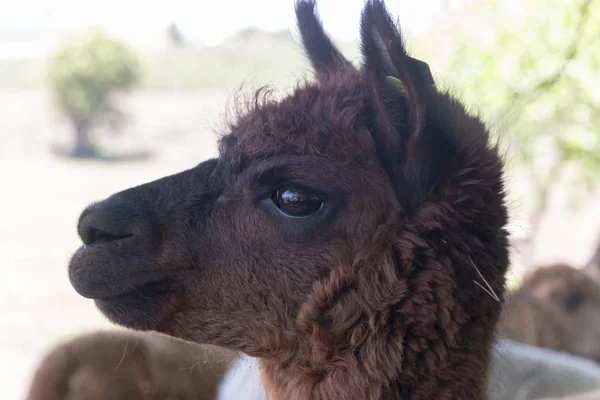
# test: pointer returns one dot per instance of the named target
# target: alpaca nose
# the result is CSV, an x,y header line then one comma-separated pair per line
x,y
143,212
121,240
91,233
111,220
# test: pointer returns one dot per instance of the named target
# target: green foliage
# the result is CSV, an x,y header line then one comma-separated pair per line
x,y
84,73
532,72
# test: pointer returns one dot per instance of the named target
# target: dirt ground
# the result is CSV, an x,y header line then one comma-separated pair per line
x,y
42,195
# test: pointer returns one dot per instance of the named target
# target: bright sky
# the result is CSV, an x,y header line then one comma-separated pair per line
x,y
207,20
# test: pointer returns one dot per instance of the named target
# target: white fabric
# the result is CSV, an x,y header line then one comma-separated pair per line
x,y
520,371
242,381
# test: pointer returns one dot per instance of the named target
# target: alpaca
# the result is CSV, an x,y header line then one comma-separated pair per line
x,y
556,307
121,365
350,235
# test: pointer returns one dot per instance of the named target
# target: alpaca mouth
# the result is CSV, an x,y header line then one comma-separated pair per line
x,y
98,274
129,291
144,291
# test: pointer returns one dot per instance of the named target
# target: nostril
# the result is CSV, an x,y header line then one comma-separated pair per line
x,y
90,235
98,225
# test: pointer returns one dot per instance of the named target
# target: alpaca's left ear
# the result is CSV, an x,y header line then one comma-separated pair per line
x,y
323,54
398,86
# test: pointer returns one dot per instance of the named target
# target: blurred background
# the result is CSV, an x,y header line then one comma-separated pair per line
x,y
99,96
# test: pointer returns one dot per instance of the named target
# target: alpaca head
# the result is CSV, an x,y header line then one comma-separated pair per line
x,y
366,204
558,307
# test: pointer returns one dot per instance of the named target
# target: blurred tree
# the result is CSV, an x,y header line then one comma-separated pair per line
x,y
83,74
175,35
531,68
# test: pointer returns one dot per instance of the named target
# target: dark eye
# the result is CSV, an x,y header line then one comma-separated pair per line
x,y
571,302
297,202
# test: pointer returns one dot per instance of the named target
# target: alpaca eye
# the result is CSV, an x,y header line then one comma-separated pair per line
x,y
296,202
571,302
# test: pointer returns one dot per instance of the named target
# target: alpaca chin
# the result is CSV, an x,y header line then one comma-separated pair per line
x,y
141,309
136,301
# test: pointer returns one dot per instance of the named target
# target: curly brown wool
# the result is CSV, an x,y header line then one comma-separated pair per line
x,y
350,235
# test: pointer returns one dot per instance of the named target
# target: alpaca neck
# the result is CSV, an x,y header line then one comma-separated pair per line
x,y
461,378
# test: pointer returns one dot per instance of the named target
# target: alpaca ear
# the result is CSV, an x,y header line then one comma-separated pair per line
x,y
385,56
324,56
397,85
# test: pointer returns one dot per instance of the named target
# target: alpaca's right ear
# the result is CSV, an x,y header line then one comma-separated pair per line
x,y
321,51
398,86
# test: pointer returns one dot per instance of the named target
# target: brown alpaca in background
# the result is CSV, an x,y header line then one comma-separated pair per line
x,y
351,235
121,365
557,307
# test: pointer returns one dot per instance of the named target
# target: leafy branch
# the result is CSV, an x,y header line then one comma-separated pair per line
x,y
518,100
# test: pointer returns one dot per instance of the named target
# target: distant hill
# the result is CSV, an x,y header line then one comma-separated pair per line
x,y
251,57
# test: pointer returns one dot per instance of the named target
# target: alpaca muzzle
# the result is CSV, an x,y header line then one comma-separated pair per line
x,y
124,262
